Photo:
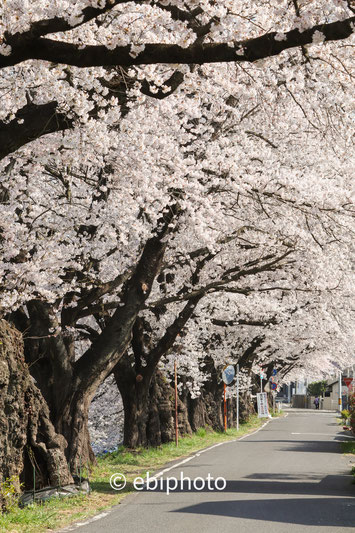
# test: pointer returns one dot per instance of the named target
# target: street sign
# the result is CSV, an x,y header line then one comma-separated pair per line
x,y
348,382
274,372
228,374
274,386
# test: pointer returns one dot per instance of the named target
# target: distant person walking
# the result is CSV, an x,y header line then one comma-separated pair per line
x,y
316,402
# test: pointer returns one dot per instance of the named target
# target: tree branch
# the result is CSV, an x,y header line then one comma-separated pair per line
x,y
221,284
168,339
57,24
250,50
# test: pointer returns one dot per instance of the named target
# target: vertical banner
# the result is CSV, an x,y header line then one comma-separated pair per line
x,y
263,409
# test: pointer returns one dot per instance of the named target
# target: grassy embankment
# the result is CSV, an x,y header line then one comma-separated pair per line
x,y
348,447
37,518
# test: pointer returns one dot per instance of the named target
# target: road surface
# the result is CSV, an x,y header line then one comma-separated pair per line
x,y
289,477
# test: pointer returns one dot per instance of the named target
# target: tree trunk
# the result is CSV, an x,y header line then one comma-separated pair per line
x,y
246,406
135,403
51,361
28,440
207,408
149,408
72,423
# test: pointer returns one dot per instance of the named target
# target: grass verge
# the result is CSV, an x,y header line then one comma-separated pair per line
x,y
58,513
348,447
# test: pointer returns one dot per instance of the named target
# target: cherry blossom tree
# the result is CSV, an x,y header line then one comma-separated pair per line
x,y
44,47
139,179
102,262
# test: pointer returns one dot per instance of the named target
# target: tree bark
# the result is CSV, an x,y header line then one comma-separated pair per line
x,y
51,359
149,408
28,441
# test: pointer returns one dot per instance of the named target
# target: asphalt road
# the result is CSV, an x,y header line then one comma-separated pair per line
x,y
288,477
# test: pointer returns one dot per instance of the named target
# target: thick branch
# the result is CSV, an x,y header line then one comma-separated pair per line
x,y
168,339
70,315
250,50
172,84
249,354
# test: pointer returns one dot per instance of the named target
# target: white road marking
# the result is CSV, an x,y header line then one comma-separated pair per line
x,y
326,434
87,522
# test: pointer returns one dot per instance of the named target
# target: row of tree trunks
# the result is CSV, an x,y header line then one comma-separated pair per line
x,y
40,444
149,406
207,409
30,448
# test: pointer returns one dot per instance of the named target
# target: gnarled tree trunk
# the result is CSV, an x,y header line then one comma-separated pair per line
x,y
51,359
28,440
149,408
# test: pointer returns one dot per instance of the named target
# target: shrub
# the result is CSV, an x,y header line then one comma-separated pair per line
x,y
9,494
345,414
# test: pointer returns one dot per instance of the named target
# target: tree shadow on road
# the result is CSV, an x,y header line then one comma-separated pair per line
x,y
331,485
337,512
306,446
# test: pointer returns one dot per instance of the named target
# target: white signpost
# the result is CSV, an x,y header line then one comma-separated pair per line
x,y
263,409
